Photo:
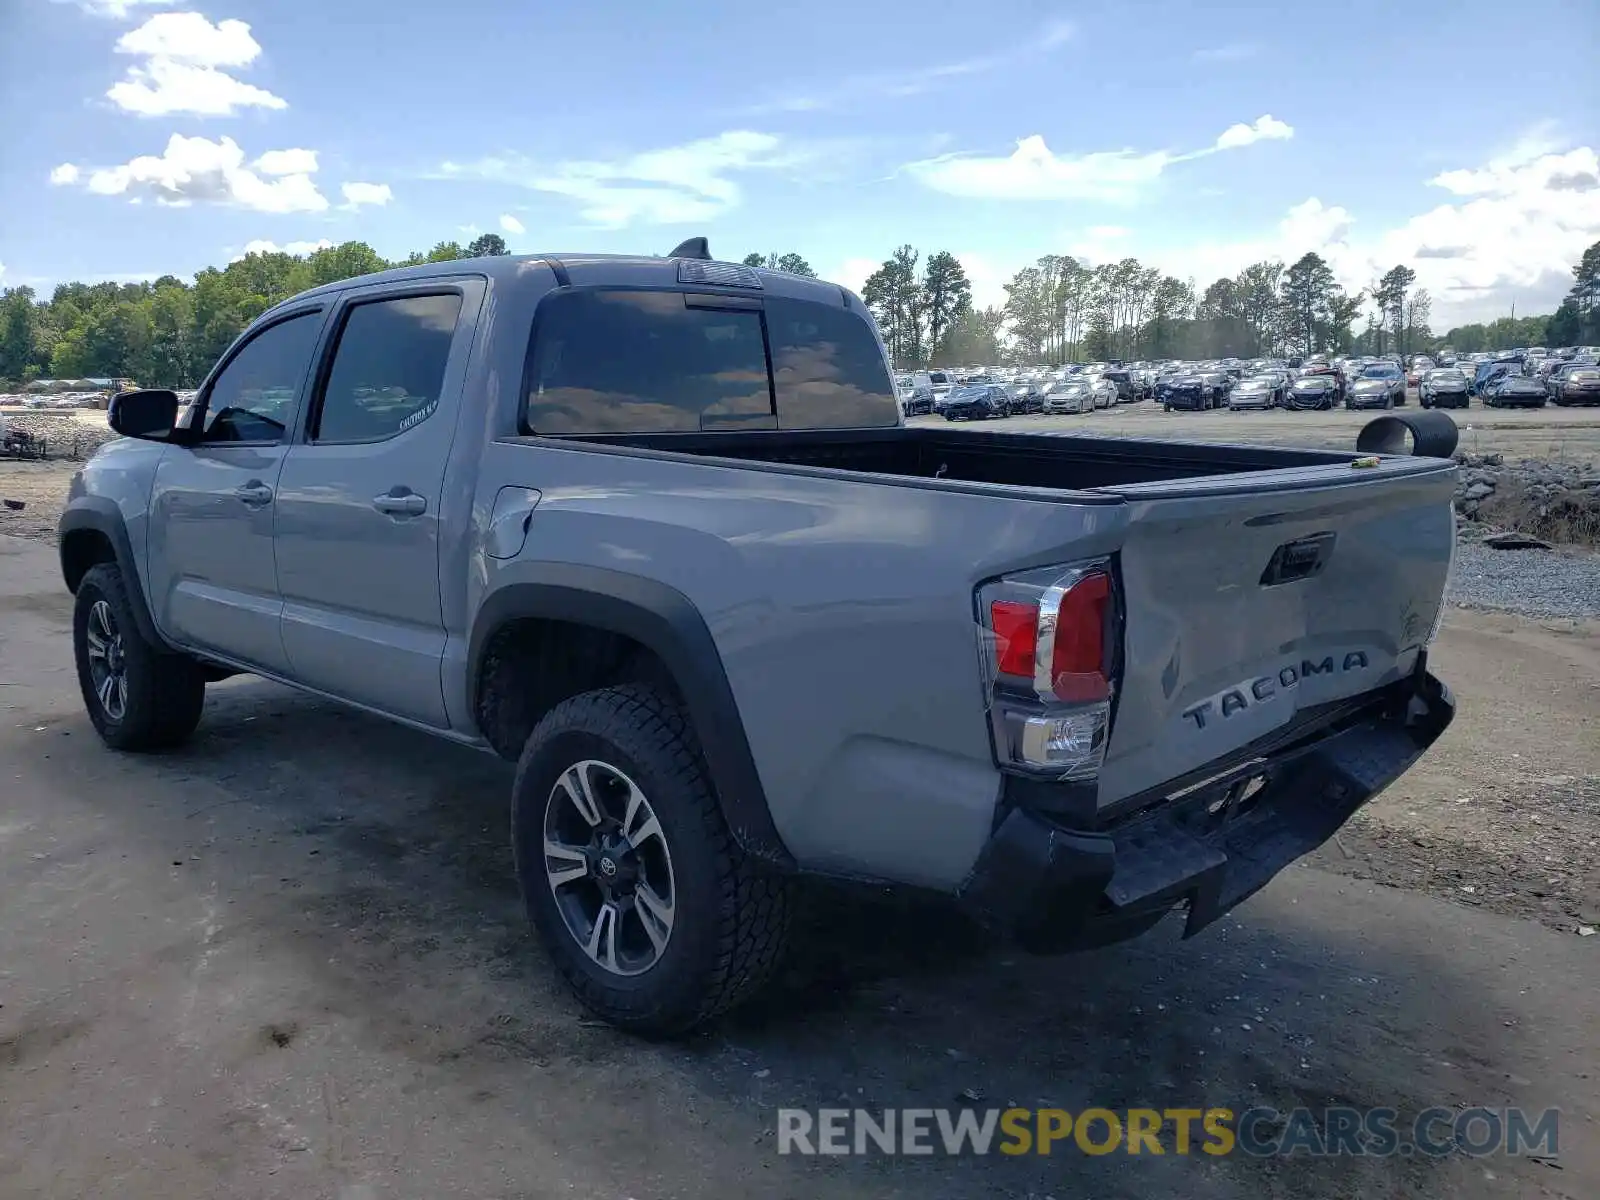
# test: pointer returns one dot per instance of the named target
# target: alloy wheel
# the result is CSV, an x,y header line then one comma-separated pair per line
x,y
108,663
609,867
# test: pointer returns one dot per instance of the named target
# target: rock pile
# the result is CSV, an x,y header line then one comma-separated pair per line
x,y
1557,499
67,436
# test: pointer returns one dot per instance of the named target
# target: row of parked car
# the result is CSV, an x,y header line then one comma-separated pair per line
x,y
1523,377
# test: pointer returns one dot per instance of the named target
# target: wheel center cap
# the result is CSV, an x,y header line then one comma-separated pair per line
x,y
608,866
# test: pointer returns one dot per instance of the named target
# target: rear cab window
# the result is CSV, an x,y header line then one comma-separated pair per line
x,y
827,368
608,361
619,361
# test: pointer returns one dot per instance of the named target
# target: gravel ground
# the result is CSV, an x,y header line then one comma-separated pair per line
x,y
1534,583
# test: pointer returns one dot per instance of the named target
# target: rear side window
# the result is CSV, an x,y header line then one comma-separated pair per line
x,y
388,368
827,368
646,362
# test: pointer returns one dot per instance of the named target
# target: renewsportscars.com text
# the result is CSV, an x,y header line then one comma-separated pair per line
x,y
1258,1132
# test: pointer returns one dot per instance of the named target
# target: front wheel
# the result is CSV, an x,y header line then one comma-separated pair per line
x,y
652,913
139,695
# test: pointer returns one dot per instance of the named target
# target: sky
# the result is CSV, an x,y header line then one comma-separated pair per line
x,y
146,137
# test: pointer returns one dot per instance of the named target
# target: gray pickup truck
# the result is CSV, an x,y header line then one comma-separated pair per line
x,y
655,529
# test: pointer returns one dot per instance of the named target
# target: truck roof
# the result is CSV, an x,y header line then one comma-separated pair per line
x,y
641,269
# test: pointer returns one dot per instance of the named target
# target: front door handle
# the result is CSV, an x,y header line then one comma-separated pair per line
x,y
255,493
401,504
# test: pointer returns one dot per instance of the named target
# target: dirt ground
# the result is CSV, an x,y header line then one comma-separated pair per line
x,y
290,961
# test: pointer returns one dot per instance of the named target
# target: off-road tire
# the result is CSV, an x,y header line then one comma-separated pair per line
x,y
166,691
732,915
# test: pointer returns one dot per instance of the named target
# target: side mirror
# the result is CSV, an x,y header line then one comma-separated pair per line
x,y
150,414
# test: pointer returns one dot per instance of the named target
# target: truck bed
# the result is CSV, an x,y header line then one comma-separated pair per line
x,y
1057,461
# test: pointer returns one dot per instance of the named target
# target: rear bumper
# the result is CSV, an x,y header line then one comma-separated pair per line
x,y
1209,846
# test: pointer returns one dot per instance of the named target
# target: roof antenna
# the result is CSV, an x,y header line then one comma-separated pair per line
x,y
695,247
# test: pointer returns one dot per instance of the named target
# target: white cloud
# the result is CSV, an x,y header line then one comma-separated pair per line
x,y
189,37
511,225
1511,231
917,81
115,8
287,162
1264,128
358,194
1108,232
196,170
299,249
161,88
1033,172
1521,222
675,185
64,174
853,273
183,55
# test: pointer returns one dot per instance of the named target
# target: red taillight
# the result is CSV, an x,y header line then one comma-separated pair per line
x,y
1075,629
1048,641
1016,631
1077,661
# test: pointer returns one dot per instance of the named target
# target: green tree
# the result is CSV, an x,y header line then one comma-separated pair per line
x,y
1389,294
1565,327
1256,289
445,252
1171,303
20,342
894,295
791,263
1308,291
795,265
487,245
1028,310
338,263
947,296
975,337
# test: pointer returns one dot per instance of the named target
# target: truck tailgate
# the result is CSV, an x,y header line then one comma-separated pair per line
x,y
1250,598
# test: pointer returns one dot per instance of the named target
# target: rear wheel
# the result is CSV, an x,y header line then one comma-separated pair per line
x,y
139,696
652,913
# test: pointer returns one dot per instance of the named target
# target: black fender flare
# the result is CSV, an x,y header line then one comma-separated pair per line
x,y
100,514
667,622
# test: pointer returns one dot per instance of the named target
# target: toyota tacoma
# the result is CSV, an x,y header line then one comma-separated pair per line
x,y
655,530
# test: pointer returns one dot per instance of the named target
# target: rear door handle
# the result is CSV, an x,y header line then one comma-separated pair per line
x,y
255,493
401,504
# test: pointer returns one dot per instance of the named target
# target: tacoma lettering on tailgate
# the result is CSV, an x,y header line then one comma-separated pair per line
x,y
1249,693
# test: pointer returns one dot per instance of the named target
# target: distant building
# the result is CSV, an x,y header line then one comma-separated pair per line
x,y
80,385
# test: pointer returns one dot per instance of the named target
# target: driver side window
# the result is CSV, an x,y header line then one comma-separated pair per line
x,y
253,399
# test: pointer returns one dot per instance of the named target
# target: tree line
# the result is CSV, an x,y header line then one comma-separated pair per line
x,y
168,332
1062,310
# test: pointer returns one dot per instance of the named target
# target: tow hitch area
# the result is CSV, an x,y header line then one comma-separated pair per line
x,y
1210,843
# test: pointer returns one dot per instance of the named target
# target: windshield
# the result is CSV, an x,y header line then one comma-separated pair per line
x,y
1447,375
1380,372
1315,382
